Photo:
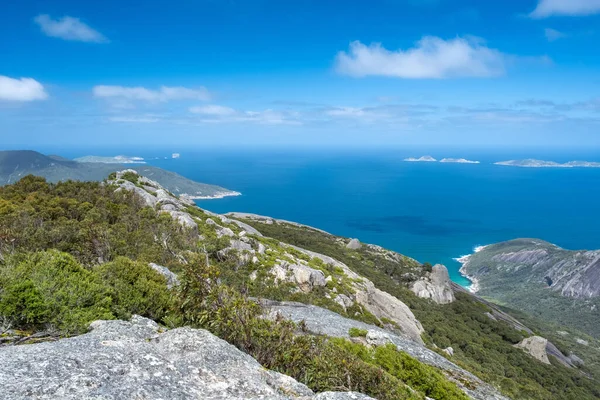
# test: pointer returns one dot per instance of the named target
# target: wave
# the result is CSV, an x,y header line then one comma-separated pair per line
x,y
463,260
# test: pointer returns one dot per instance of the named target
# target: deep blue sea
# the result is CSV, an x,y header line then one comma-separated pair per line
x,y
433,212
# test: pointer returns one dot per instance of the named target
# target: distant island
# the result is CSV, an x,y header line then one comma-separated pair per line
x,y
111,160
458,161
443,160
533,163
421,159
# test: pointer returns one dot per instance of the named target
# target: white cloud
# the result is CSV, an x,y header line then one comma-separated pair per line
x,y
23,89
163,94
213,109
553,34
432,57
69,28
547,8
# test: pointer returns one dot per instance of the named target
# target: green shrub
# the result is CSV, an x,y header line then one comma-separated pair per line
x,y
52,288
135,288
356,332
418,376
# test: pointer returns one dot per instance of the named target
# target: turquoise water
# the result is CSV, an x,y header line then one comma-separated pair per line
x,y
430,211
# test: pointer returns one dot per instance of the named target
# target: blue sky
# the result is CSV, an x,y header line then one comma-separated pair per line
x,y
301,73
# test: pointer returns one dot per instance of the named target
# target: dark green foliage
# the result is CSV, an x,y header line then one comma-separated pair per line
x,y
417,375
51,289
135,288
92,222
427,267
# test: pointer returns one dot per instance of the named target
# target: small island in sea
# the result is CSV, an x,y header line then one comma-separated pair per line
x,y
111,160
533,163
458,161
421,159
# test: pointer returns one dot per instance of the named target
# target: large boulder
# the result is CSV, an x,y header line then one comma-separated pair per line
x,y
384,305
436,285
353,244
172,279
121,360
305,277
536,347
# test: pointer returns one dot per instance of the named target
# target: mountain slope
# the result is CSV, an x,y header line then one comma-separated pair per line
x,y
74,252
541,279
16,164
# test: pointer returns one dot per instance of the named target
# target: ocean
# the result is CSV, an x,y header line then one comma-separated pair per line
x,y
433,212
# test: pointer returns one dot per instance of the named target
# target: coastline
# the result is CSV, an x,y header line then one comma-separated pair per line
x,y
464,260
218,195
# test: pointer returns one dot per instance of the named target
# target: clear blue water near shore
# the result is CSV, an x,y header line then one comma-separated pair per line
x,y
433,212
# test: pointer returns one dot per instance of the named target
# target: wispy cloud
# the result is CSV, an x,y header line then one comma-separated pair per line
x,y
548,8
69,28
22,89
125,95
146,119
553,34
213,109
221,114
432,57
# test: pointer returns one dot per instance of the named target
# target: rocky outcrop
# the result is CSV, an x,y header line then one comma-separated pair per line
x,y
154,195
377,302
324,322
269,221
435,285
536,347
354,244
171,278
136,360
303,276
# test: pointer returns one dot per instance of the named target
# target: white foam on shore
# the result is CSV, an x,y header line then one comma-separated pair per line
x,y
463,260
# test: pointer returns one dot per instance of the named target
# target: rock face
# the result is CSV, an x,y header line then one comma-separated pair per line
x,y
133,360
436,285
536,347
354,244
324,322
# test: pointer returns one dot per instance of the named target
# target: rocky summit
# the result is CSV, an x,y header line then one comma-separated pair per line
x,y
122,360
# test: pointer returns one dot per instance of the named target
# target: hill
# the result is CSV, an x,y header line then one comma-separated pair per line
x,y
541,279
16,164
